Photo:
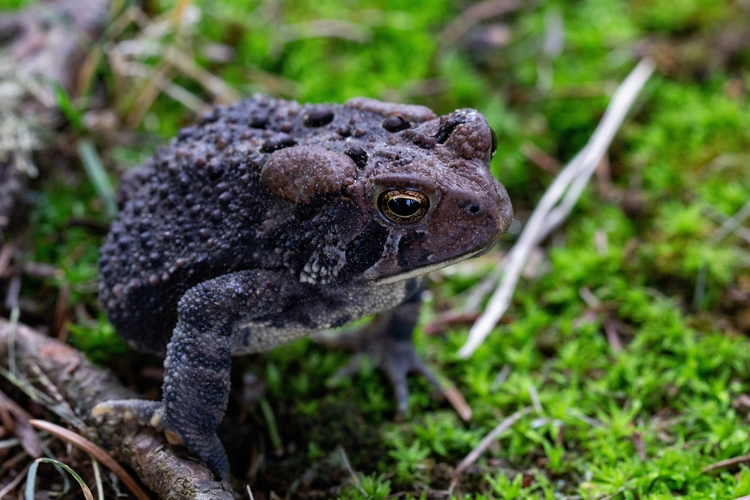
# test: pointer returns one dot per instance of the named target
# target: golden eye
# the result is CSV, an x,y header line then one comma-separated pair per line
x,y
403,205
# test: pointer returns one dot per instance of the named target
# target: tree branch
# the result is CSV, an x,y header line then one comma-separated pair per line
x,y
83,385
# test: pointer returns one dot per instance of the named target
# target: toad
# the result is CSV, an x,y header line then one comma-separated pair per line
x,y
269,220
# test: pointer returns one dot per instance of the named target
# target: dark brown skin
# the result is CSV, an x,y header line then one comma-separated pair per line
x,y
270,220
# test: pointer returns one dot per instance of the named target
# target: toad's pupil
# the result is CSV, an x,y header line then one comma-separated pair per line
x,y
404,207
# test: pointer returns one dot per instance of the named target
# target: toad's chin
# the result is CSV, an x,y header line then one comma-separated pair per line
x,y
376,276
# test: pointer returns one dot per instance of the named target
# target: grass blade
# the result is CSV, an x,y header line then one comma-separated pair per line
x,y
95,170
31,480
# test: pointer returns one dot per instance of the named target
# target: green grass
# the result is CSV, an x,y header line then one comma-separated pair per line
x,y
638,424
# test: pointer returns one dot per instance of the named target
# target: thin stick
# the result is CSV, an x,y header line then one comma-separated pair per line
x,y
551,211
727,463
489,438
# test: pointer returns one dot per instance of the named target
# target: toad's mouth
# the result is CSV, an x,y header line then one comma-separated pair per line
x,y
422,270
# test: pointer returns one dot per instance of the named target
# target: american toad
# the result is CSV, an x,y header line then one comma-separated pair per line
x,y
268,220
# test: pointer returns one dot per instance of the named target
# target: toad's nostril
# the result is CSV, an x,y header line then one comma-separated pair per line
x,y
473,209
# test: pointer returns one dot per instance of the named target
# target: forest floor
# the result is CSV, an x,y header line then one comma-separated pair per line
x,y
626,344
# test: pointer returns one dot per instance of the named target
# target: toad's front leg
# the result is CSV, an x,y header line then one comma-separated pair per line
x,y
196,378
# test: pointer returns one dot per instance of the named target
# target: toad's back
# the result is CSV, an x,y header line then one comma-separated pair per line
x,y
196,209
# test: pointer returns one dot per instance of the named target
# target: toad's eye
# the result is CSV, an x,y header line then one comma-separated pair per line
x,y
493,150
403,206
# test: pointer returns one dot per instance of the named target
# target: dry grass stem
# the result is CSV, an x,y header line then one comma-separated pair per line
x,y
5,254
730,462
490,438
731,224
640,446
584,418
612,336
541,158
355,478
473,15
329,28
185,63
457,401
720,218
500,378
20,426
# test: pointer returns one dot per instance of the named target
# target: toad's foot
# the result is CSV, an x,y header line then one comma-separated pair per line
x,y
387,339
151,413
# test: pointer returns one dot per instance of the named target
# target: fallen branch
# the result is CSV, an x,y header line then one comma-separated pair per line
x,y
557,202
84,385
